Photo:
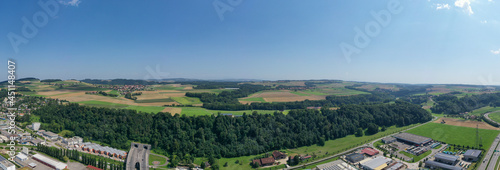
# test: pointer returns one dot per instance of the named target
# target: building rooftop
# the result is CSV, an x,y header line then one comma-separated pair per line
x,y
369,151
335,165
376,162
267,160
446,157
57,164
395,166
442,165
413,138
49,133
355,157
472,152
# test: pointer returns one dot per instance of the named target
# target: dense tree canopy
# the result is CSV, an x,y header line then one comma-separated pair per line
x,y
222,135
450,104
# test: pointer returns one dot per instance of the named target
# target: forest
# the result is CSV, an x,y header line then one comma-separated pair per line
x,y
224,136
450,104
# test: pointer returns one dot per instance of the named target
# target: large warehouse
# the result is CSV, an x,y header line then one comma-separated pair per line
x,y
50,162
413,139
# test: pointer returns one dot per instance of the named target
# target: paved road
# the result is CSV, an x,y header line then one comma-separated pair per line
x,y
491,151
353,149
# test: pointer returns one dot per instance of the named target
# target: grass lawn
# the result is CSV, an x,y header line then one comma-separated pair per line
x,y
495,116
416,158
484,110
154,100
153,158
169,87
64,132
114,92
147,109
95,103
254,99
187,100
455,134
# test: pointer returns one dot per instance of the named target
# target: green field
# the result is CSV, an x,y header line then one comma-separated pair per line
x,y
299,93
484,110
495,116
114,92
147,109
153,158
254,99
95,103
455,134
416,158
344,143
169,87
187,100
155,100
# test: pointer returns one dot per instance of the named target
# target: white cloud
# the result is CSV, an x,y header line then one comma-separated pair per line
x,y
496,52
70,2
442,6
490,0
465,4
483,22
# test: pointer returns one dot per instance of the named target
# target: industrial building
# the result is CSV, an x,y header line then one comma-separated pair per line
x,y
50,135
388,140
6,164
75,140
22,157
439,165
376,163
472,155
335,165
413,139
447,159
355,157
49,162
369,151
395,166
103,150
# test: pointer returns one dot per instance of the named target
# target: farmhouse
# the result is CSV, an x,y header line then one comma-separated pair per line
x,y
445,158
377,163
388,140
413,139
472,155
279,155
355,157
335,165
264,161
438,165
369,151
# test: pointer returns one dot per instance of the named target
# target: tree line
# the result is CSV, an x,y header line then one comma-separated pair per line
x,y
450,104
224,136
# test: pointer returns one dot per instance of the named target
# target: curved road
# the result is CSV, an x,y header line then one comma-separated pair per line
x,y
350,150
487,164
166,162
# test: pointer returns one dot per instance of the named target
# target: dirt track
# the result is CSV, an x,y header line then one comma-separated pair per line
x,y
466,123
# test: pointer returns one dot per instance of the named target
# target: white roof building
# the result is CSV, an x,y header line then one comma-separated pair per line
x,y
50,162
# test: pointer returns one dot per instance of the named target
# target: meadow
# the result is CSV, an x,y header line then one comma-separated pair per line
x,y
455,134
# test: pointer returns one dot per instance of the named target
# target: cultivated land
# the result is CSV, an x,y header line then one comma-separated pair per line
x,y
455,134
467,123
495,116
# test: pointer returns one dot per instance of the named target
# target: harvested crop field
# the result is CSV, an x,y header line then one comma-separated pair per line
x,y
172,110
466,123
81,96
159,94
283,96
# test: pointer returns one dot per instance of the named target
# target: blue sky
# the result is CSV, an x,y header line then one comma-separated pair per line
x,y
454,41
